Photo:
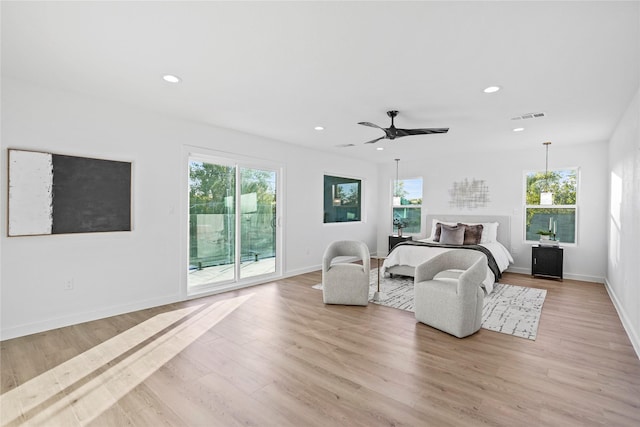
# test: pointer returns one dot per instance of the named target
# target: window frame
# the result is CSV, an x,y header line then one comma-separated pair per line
x,y
410,206
575,206
196,153
327,192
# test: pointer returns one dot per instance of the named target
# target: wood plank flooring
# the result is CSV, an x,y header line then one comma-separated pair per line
x,y
275,355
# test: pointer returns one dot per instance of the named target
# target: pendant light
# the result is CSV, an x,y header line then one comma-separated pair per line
x,y
546,196
396,191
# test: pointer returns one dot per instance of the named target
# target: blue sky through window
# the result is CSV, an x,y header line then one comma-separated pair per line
x,y
413,187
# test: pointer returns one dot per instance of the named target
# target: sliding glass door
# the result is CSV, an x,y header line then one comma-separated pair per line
x,y
232,223
257,222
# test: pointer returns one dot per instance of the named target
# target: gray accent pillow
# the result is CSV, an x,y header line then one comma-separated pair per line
x,y
436,236
452,235
472,234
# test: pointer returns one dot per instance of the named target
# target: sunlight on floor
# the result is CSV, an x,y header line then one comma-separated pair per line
x,y
69,395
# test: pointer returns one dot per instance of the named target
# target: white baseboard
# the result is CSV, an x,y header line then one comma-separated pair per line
x,y
74,319
572,276
519,270
632,333
584,278
302,271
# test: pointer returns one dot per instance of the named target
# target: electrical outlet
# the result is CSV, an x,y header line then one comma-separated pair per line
x,y
68,284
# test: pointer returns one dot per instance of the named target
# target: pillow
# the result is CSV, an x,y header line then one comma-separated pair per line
x,y
452,235
489,232
472,233
435,229
437,232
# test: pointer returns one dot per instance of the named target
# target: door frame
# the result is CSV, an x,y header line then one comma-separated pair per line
x,y
239,161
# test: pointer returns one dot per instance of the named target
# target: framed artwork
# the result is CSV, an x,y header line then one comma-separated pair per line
x,y
342,199
58,194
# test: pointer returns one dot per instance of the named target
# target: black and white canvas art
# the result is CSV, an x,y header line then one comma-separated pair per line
x,y
58,194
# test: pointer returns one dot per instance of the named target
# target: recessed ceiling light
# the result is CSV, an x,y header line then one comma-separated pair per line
x,y
171,78
380,148
319,128
492,89
518,129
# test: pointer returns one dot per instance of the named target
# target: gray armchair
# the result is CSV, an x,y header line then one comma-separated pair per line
x,y
448,292
346,283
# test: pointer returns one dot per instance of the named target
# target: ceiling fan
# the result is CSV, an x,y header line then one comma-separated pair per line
x,y
393,132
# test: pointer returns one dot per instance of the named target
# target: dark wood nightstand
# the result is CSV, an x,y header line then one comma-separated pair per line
x,y
546,261
394,240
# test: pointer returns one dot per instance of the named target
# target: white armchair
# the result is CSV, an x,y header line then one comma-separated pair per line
x,y
346,283
451,300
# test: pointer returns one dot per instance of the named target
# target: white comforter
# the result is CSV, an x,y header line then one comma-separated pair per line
x,y
414,255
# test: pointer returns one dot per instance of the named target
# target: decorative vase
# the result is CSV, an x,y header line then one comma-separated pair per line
x,y
399,232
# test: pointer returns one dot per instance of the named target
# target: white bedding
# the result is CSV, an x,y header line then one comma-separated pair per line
x,y
414,255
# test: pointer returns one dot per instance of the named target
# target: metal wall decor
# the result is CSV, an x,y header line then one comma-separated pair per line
x,y
469,194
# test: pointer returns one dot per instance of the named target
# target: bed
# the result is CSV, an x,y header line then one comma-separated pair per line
x,y
494,242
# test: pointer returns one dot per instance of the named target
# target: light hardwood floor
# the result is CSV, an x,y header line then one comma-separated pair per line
x,y
275,355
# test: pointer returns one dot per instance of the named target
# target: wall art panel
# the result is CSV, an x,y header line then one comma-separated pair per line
x,y
59,194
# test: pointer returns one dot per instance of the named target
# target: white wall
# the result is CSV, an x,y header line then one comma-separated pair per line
x,y
623,266
504,173
119,272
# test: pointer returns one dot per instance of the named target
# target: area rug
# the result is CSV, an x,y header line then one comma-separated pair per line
x,y
509,309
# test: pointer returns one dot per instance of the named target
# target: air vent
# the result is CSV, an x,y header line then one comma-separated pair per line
x,y
529,116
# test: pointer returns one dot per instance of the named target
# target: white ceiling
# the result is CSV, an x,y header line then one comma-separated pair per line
x,y
278,69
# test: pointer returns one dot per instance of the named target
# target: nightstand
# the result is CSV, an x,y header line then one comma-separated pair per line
x,y
394,240
546,261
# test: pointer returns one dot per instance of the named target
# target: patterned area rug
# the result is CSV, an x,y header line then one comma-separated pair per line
x,y
509,309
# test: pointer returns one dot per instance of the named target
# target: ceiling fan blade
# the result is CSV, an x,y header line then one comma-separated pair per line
x,y
372,125
407,132
375,140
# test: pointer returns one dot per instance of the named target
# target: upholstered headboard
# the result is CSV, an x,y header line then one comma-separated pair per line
x,y
504,229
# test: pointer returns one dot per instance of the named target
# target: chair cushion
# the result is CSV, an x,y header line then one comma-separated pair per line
x,y
449,274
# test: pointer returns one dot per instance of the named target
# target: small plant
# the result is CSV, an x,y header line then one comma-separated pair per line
x,y
399,222
544,232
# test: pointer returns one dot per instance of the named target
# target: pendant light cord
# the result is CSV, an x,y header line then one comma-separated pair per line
x,y
397,183
546,165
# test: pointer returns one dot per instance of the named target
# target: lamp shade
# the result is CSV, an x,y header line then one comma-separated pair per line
x,y
546,198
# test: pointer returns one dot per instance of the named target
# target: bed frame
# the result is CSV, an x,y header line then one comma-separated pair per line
x,y
504,234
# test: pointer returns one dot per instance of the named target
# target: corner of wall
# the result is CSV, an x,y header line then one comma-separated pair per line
x,y
629,327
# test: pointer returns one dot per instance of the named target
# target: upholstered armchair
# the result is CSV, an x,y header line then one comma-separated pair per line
x,y
345,282
448,292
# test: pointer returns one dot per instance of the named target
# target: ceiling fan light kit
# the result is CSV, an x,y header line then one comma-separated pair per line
x,y
392,132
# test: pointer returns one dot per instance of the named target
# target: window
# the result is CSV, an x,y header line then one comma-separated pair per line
x,y
407,205
552,214
342,199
